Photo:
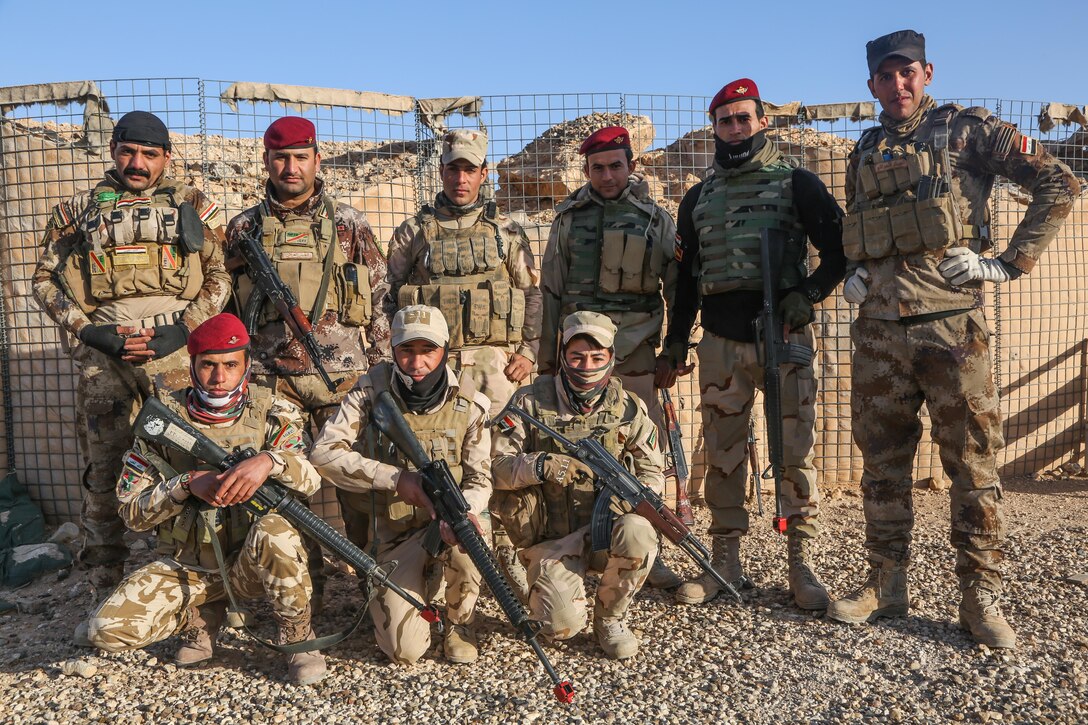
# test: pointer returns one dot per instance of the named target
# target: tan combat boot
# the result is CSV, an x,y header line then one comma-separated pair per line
x,y
884,594
661,576
303,668
807,589
459,644
725,558
981,616
514,570
198,637
615,638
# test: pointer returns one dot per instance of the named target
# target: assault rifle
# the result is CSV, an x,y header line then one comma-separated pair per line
x,y
755,490
268,285
450,506
612,479
158,424
678,462
773,350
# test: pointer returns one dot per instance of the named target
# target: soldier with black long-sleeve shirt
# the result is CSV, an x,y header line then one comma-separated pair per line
x,y
752,187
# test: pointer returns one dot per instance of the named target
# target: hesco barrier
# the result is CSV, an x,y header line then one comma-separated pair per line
x,y
379,153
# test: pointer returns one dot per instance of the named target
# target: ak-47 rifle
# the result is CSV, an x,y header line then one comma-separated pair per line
x,y
612,479
755,490
774,350
268,285
450,506
158,424
678,462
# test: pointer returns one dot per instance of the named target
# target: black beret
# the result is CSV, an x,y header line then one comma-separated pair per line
x,y
143,128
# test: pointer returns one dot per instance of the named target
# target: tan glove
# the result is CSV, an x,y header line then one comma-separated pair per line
x,y
562,470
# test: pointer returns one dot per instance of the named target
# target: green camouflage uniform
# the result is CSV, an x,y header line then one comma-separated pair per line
x,y
551,528
143,279
264,556
354,456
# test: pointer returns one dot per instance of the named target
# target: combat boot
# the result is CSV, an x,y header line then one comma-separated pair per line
x,y
807,589
661,576
105,577
725,559
303,668
615,638
198,637
514,570
884,594
981,616
459,644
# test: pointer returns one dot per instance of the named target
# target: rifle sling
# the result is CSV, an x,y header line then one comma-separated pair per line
x,y
326,273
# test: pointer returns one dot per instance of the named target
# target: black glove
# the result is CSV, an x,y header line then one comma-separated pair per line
x,y
103,338
167,339
797,310
677,354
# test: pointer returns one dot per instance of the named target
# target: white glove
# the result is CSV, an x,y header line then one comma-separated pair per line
x,y
960,266
854,290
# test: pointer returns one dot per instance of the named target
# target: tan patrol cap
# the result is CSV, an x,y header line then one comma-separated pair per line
x,y
464,144
594,324
420,322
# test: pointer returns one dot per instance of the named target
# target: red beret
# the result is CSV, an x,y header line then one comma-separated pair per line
x,y
738,90
290,132
222,333
606,139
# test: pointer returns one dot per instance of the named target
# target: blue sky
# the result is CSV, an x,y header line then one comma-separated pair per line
x,y
813,52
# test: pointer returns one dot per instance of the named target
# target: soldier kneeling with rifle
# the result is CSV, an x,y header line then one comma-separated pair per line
x,y
202,529
583,399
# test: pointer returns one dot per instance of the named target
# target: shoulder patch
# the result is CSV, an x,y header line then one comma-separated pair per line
x,y
63,215
1029,146
678,248
288,438
1004,138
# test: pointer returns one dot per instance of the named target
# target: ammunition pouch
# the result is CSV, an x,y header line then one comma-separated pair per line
x,y
484,312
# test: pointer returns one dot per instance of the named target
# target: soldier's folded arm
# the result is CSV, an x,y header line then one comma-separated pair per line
x,y
336,460
513,468
147,496
286,444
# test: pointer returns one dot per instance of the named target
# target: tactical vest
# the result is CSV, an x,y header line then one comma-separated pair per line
x,y
569,508
306,253
610,259
733,206
181,536
441,433
469,282
131,247
905,201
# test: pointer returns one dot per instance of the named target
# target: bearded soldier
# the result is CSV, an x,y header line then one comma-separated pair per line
x,y
326,253
474,265
720,221
918,192
584,398
187,504
610,250
128,268
450,420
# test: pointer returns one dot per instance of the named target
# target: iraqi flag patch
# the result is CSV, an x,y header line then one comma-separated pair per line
x,y
1028,146
678,250
506,423
207,214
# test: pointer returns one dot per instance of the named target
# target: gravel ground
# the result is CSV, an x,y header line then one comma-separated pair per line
x,y
765,661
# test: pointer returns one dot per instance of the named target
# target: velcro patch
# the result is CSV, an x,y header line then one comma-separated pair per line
x,y
208,213
1028,146
98,262
170,256
296,255
136,461
1003,141
678,250
135,255
133,201
652,438
506,423
289,438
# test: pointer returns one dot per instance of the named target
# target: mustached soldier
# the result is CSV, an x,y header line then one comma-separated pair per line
x,y
128,268
918,193
163,489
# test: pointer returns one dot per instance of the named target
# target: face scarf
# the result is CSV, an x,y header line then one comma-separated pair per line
x,y
207,409
907,126
428,392
731,155
446,203
584,388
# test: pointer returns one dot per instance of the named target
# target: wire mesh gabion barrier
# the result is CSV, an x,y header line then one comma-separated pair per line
x,y
380,153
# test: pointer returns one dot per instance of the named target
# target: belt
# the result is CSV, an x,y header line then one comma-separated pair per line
x,y
160,320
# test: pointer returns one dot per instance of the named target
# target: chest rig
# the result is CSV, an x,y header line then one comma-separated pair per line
x,y
569,508
905,199
610,257
131,247
441,433
470,283
733,206
306,253
182,537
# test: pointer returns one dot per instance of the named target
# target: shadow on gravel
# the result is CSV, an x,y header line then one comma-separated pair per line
x,y
1046,487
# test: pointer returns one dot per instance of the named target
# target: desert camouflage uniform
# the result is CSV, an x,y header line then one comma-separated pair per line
x,y
264,556
551,528
357,459
110,390
571,276
919,339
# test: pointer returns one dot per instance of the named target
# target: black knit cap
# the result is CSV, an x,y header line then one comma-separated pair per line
x,y
904,43
143,128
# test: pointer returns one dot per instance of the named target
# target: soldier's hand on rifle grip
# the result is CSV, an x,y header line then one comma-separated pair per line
x,y
241,482
450,538
410,490
797,310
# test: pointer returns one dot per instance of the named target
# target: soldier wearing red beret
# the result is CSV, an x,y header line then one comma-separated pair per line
x,y
326,252
610,250
753,187
163,489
